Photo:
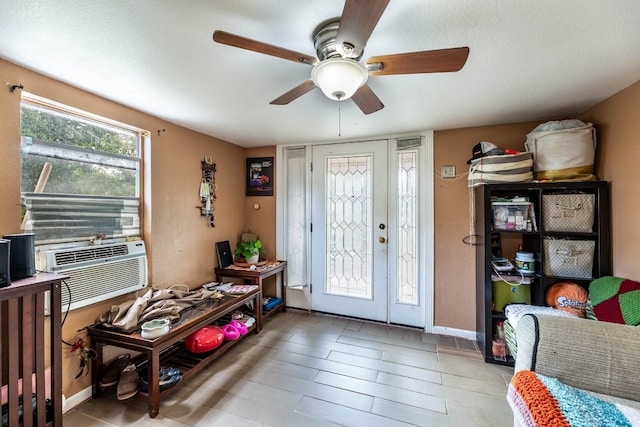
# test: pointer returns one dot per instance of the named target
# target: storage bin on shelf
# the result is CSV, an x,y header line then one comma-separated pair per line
x,y
510,215
568,212
509,289
568,258
269,302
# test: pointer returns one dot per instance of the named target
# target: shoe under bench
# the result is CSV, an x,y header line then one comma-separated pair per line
x,y
168,349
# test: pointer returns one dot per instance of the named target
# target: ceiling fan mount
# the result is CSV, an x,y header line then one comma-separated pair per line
x,y
337,74
339,45
324,40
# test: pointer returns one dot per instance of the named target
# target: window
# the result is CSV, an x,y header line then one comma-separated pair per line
x,y
407,227
80,173
296,217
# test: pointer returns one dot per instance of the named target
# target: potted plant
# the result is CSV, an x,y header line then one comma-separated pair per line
x,y
249,250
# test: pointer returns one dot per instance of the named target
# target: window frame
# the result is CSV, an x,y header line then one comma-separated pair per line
x,y
128,219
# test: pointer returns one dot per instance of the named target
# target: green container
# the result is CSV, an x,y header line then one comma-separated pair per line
x,y
505,293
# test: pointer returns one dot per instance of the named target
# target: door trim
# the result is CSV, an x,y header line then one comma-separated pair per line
x,y
427,228
427,237
370,209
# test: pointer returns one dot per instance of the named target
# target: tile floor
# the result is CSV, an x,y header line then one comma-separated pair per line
x,y
317,370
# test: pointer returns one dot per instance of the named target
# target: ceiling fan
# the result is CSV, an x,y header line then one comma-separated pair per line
x,y
339,46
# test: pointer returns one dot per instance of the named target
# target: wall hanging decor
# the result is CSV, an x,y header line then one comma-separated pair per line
x,y
208,190
259,176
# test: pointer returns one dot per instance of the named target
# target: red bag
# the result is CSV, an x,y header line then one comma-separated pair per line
x,y
204,339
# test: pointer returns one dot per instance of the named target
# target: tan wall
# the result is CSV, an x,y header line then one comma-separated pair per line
x,y
10,152
262,221
183,243
180,244
618,130
454,282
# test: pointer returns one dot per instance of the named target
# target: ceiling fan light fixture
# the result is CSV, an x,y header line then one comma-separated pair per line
x,y
339,78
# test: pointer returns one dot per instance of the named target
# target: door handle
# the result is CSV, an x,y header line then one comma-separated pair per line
x,y
381,239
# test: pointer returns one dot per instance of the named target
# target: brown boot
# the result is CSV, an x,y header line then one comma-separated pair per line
x,y
128,383
113,370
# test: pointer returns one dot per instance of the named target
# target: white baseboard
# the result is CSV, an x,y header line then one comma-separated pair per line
x,y
458,333
75,400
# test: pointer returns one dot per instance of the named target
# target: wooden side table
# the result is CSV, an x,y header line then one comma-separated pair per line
x,y
256,277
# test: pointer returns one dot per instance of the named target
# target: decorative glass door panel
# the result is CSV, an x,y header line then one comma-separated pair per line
x,y
348,212
349,208
406,287
407,229
365,244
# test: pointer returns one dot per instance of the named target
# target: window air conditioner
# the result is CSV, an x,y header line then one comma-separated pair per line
x,y
96,273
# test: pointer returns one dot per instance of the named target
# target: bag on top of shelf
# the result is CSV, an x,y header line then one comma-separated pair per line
x,y
489,165
568,212
563,150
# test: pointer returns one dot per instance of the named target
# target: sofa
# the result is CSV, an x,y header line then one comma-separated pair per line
x,y
560,358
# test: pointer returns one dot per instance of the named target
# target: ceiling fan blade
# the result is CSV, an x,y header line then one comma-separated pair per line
x,y
244,43
294,93
428,61
359,18
366,100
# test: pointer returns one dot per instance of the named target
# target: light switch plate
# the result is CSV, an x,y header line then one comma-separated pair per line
x,y
448,171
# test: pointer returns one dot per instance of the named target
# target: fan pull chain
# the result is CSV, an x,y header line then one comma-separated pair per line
x,y
339,117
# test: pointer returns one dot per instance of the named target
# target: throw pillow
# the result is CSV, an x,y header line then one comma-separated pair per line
x,y
616,300
568,296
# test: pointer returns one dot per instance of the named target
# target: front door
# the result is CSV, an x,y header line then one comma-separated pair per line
x,y
350,230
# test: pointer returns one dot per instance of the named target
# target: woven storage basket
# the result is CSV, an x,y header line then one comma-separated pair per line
x,y
568,258
568,212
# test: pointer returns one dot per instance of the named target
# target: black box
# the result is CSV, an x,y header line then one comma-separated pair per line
x,y
23,255
225,257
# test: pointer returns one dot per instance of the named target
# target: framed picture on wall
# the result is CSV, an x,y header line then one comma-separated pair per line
x,y
259,176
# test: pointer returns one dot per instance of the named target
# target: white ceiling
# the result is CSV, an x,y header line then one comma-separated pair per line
x,y
529,60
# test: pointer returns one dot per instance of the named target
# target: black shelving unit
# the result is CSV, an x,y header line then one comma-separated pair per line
x,y
532,241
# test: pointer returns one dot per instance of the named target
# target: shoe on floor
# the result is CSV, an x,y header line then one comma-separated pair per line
x,y
128,383
248,320
169,376
112,372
